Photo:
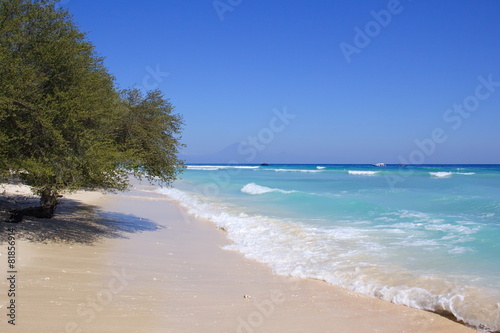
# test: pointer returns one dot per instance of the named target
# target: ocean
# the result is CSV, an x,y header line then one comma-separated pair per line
x,y
425,236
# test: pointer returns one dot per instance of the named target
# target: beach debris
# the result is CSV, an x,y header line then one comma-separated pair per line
x,y
247,297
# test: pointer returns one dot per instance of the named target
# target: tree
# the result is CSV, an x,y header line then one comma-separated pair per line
x,y
63,124
149,135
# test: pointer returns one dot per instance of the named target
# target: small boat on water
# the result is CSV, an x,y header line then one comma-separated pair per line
x,y
379,164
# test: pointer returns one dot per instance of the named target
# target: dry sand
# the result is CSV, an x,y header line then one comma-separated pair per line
x,y
153,268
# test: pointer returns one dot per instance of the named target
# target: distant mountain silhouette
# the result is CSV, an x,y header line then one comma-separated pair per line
x,y
234,154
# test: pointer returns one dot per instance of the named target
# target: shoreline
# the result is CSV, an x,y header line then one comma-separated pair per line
x,y
170,274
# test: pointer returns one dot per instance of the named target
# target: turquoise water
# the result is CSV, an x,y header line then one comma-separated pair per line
x,y
425,236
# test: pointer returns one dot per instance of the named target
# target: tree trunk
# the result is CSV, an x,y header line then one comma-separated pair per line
x,y
46,210
48,204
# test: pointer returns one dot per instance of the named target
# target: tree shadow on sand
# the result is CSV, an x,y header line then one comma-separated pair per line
x,y
74,222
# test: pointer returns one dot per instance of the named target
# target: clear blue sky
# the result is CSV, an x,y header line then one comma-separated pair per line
x,y
356,97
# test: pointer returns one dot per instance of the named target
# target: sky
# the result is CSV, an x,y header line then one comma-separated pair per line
x,y
303,81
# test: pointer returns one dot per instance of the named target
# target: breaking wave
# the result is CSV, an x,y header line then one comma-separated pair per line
x,y
253,188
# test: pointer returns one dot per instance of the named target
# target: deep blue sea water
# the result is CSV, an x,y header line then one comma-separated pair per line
x,y
426,236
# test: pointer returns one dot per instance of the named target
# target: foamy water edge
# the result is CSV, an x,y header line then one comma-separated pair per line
x,y
288,256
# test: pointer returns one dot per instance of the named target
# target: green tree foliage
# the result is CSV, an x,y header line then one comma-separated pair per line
x,y
149,134
63,124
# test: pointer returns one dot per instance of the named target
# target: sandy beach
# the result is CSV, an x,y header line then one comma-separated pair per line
x,y
136,262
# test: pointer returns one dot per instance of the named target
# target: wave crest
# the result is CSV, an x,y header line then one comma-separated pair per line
x,y
441,174
253,188
362,173
297,170
444,174
219,167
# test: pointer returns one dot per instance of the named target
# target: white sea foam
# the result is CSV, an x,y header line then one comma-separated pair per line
x,y
296,170
202,167
362,173
244,167
412,215
344,256
441,174
219,167
458,229
320,167
459,250
445,174
253,188
418,223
